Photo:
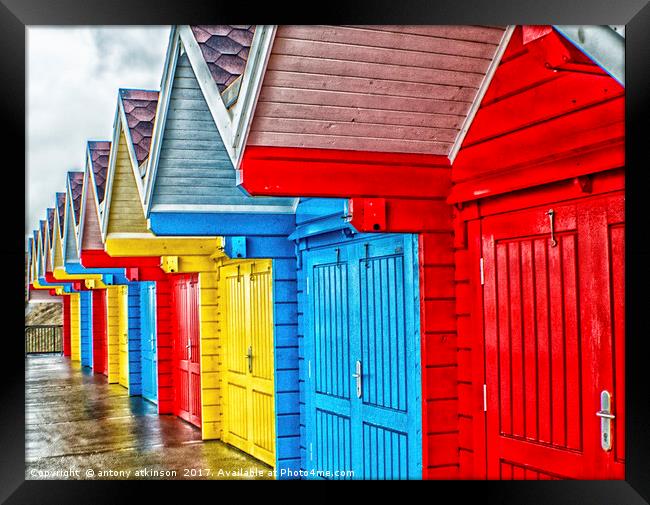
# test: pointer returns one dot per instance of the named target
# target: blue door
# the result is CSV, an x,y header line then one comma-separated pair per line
x,y
362,348
85,308
148,351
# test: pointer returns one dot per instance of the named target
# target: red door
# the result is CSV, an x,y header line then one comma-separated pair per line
x,y
187,372
554,340
100,349
66,326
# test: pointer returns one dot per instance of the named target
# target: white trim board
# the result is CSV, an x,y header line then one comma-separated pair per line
x,y
485,84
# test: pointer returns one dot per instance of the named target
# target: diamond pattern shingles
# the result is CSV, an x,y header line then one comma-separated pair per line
x,y
140,109
50,223
60,205
225,49
76,185
42,230
99,154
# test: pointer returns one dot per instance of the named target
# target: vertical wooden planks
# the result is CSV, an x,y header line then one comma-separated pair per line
x,y
134,342
99,331
75,327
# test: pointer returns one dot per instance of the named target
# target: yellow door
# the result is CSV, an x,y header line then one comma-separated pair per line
x,y
116,333
75,327
123,333
249,401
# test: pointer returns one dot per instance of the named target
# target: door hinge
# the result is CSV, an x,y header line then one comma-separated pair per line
x,y
481,263
311,452
307,286
484,397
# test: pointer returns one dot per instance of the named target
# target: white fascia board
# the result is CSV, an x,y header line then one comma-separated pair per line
x,y
169,71
135,168
253,209
208,87
485,84
112,160
602,44
84,190
253,76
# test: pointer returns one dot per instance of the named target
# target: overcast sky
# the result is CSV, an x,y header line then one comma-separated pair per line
x,y
73,75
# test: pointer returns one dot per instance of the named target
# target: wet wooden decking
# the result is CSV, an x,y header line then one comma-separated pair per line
x,y
79,427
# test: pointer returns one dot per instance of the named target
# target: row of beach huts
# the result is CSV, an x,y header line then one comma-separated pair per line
x,y
391,250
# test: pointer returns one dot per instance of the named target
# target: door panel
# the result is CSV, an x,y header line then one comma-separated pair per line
x,y
187,373
249,410
99,331
123,308
75,327
148,342
361,316
547,325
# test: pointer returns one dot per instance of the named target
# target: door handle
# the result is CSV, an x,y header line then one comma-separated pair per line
x,y
551,215
249,357
606,416
189,350
358,376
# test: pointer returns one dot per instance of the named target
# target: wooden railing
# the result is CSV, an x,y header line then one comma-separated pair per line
x,y
43,339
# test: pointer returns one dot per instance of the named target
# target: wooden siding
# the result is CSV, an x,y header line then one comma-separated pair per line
x,y
126,214
57,258
71,253
564,123
194,167
211,355
92,235
287,392
439,355
374,88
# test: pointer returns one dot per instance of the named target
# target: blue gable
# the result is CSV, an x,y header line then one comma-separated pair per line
x,y
194,168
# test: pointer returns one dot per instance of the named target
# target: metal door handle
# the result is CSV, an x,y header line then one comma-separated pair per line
x,y
358,376
606,416
551,214
249,357
189,348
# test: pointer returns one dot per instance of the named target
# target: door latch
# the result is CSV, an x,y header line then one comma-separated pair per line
x,y
189,349
606,416
551,217
249,357
357,375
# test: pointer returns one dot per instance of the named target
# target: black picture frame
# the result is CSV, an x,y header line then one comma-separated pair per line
x,y
15,15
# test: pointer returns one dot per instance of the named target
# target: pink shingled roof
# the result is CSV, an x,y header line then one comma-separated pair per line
x,y
140,109
42,222
50,222
76,185
60,205
99,154
225,49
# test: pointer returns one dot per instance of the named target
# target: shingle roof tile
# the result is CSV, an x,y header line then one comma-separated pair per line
x,y
140,110
99,154
225,49
60,205
50,223
76,186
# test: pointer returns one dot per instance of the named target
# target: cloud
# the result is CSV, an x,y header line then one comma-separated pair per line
x,y
73,75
